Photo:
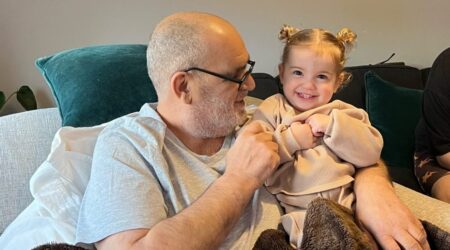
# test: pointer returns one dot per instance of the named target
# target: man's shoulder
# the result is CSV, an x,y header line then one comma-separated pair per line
x,y
147,115
145,124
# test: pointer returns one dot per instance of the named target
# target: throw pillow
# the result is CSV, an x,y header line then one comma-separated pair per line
x,y
395,112
96,84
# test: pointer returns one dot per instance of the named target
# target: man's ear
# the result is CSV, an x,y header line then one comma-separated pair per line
x,y
281,72
180,86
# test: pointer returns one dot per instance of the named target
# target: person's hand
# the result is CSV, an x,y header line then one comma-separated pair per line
x,y
383,214
318,123
303,135
254,155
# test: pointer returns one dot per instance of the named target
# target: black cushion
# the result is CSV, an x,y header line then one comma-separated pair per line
x,y
401,75
266,85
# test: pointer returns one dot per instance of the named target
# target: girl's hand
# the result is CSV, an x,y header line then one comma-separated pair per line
x,y
303,135
318,123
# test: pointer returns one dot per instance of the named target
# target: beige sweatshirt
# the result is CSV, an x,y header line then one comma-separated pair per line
x,y
349,141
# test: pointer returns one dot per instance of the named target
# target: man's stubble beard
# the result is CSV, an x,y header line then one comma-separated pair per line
x,y
214,117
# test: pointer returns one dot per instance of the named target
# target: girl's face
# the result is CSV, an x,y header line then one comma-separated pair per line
x,y
309,79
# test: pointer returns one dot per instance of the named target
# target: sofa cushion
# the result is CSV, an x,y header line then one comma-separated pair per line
x,y
266,85
96,84
395,112
398,73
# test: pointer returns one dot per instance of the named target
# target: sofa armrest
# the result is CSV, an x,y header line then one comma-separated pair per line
x,y
425,207
25,142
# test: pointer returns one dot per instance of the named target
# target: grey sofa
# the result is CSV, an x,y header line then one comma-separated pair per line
x,y
26,141
26,138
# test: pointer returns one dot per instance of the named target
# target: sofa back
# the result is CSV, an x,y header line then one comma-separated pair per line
x,y
354,92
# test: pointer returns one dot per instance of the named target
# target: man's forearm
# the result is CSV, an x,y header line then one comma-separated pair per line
x,y
371,178
204,224
381,212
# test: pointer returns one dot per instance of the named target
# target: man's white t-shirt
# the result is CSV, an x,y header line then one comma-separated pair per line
x,y
141,174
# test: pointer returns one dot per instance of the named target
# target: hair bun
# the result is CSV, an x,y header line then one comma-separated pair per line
x,y
287,32
347,37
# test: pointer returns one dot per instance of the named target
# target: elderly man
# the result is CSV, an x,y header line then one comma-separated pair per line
x,y
174,177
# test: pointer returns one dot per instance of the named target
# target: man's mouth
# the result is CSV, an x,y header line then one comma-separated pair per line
x,y
240,98
240,102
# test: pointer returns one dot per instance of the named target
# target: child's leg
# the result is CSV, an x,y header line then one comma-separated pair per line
x,y
344,196
329,225
295,211
293,224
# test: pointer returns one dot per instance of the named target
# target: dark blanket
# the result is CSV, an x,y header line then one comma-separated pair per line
x,y
57,246
328,225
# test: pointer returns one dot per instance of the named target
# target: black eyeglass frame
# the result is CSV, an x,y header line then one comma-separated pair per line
x,y
244,77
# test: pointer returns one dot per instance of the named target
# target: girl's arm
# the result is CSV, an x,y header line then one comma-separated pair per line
x,y
350,136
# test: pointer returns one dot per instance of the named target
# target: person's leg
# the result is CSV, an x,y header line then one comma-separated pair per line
x,y
441,187
433,179
329,225
435,130
293,224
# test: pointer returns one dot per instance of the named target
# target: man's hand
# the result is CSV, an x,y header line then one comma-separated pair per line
x,y
318,123
303,135
383,214
254,155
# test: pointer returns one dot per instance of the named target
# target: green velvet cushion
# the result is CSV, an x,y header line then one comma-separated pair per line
x,y
96,84
395,112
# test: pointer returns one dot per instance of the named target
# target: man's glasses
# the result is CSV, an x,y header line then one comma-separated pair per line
x,y
248,71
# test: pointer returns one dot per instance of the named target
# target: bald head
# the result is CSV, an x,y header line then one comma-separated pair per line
x,y
197,20
183,40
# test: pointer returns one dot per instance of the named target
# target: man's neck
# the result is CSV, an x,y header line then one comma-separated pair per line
x,y
201,146
198,145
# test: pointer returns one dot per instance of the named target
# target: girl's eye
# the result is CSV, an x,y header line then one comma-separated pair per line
x,y
322,77
297,73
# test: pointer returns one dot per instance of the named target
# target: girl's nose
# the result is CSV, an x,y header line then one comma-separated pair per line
x,y
308,84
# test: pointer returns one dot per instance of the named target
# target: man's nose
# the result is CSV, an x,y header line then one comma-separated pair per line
x,y
249,84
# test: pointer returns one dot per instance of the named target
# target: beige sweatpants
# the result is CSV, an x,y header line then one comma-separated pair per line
x,y
296,205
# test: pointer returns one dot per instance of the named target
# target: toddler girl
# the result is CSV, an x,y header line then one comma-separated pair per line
x,y
320,142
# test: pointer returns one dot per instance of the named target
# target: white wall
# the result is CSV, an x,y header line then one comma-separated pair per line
x,y
416,30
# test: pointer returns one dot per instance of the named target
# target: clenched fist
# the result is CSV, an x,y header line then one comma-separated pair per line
x,y
254,155
303,135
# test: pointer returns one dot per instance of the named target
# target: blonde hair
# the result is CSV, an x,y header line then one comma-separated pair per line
x,y
321,39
